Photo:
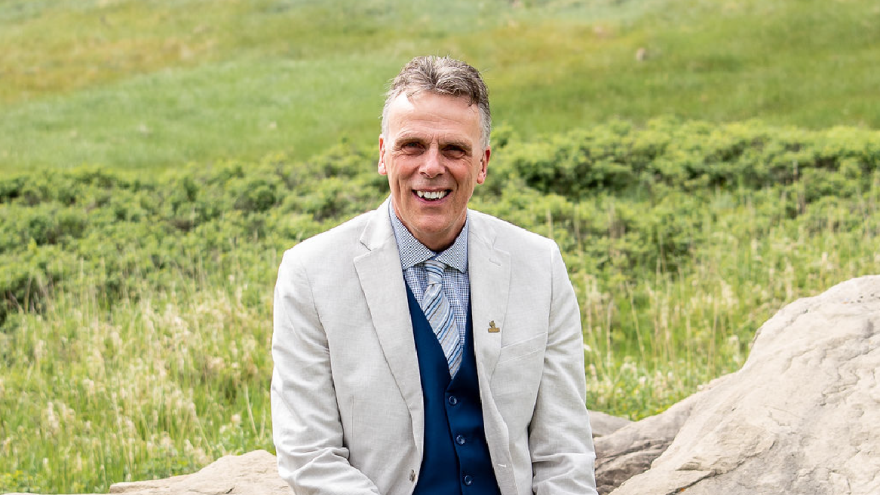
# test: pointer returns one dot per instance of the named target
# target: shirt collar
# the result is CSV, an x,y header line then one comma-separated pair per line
x,y
413,252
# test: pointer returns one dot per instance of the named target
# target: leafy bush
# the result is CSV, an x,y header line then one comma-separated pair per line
x,y
625,199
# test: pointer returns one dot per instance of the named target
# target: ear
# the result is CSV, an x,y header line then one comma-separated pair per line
x,y
382,170
484,164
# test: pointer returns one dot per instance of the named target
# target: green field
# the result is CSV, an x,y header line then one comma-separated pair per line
x,y
151,85
157,157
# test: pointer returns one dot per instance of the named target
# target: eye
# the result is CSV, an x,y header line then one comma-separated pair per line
x,y
411,146
454,151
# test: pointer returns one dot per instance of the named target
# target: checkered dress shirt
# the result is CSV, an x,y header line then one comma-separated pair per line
x,y
456,285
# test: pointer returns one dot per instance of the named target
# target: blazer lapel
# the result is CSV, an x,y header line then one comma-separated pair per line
x,y
380,277
489,274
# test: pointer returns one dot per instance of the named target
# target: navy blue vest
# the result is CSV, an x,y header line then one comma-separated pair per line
x,y
456,458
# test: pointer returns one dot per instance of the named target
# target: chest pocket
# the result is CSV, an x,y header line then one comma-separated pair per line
x,y
519,367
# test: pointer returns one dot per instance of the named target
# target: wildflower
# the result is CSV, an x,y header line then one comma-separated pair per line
x,y
52,423
89,385
39,350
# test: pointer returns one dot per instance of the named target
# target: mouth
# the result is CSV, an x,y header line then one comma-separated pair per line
x,y
432,195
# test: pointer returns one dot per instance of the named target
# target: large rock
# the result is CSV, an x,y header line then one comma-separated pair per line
x,y
630,450
606,424
254,473
802,416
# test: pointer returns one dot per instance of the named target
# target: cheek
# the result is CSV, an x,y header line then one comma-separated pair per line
x,y
402,170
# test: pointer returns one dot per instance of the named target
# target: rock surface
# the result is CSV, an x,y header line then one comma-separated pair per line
x,y
801,416
254,473
630,450
606,424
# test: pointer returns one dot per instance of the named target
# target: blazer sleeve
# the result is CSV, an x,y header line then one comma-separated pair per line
x,y
560,438
305,418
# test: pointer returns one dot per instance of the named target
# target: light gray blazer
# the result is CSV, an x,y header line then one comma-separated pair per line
x,y
347,408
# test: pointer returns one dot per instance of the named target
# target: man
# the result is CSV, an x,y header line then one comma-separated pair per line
x,y
424,347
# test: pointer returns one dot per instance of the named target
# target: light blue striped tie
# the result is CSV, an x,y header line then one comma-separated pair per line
x,y
439,313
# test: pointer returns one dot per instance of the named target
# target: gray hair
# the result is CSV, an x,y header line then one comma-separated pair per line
x,y
443,76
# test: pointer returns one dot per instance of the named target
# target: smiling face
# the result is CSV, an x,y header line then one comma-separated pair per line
x,y
433,157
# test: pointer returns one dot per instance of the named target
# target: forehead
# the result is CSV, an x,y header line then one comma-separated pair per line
x,y
428,113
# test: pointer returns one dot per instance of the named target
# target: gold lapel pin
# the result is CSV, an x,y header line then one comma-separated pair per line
x,y
493,328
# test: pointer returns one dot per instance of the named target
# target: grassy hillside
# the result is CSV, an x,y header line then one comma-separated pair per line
x,y
150,85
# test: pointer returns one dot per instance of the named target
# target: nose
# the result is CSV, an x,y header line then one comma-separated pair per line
x,y
432,166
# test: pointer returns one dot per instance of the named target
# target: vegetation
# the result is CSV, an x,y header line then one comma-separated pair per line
x,y
136,309
138,85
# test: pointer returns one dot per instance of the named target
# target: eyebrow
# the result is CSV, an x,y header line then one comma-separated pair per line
x,y
415,138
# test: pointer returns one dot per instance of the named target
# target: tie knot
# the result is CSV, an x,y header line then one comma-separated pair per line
x,y
435,271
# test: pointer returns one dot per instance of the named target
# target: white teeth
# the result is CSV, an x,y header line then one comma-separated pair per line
x,y
431,194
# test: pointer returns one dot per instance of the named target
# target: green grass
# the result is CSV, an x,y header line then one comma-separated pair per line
x,y
156,386
140,85
212,112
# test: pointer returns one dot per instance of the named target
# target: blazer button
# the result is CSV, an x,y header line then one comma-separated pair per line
x,y
468,480
412,475
459,439
453,400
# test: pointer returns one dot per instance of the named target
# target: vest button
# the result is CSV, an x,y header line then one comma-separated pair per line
x,y
453,400
459,439
468,480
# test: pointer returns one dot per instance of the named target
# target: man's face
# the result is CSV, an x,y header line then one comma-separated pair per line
x,y
433,157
